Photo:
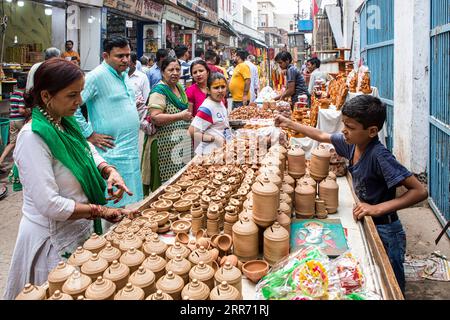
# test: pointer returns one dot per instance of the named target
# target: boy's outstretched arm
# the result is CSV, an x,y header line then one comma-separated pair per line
x,y
308,131
416,193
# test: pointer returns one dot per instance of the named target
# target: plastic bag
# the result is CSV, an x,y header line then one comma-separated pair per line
x,y
266,94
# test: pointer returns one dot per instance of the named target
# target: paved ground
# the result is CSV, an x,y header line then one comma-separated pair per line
x,y
421,226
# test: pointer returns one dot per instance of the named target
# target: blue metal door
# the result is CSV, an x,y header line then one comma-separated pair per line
x,y
377,51
439,157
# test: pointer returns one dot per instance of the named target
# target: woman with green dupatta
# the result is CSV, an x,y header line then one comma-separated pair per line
x,y
62,175
170,149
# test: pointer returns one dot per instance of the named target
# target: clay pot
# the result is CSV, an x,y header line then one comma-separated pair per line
x,y
296,161
155,245
132,258
183,205
225,292
200,254
266,199
159,295
176,249
212,227
58,295
125,222
101,289
305,196
118,273
95,243
76,284
214,252
276,243
213,240
31,292
197,223
273,177
287,179
117,239
245,239
231,216
196,290
321,210
182,238
190,196
79,257
180,226
175,196
320,163
109,253
284,198
224,242
204,273
254,270
329,192
284,221
230,274
184,184
58,276
172,189
196,212
285,209
200,234
162,205
232,259
332,175
130,292
162,217
156,264
309,180
179,266
94,267
133,228
228,228
171,284
195,189
286,188
144,279
213,212
130,241
192,245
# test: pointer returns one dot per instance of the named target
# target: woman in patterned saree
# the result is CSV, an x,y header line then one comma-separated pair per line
x,y
168,106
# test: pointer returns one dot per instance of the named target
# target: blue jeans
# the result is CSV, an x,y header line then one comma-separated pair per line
x,y
237,104
394,240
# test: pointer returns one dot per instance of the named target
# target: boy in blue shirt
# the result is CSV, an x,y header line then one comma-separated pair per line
x,y
375,172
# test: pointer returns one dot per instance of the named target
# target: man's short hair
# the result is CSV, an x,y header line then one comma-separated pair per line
x,y
251,58
52,53
199,52
69,41
180,51
283,56
367,110
115,42
144,60
133,57
242,54
210,55
161,54
315,61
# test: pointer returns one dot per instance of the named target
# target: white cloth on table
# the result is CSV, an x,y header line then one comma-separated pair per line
x,y
50,192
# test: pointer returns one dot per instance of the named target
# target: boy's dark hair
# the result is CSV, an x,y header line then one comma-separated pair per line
x,y
242,54
367,110
283,56
201,62
213,77
199,52
314,61
161,54
115,42
168,61
133,57
180,51
69,41
210,55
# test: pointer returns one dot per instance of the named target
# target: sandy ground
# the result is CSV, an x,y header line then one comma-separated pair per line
x,y
422,228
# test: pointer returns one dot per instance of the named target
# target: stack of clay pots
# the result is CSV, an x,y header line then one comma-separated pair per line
x,y
320,163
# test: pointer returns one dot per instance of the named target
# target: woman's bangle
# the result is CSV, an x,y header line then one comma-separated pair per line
x,y
103,173
95,211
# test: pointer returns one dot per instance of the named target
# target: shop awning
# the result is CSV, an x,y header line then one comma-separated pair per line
x,y
260,43
228,27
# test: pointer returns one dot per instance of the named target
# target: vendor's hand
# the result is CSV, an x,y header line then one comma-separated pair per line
x,y
114,215
186,115
281,121
364,209
101,141
245,99
115,180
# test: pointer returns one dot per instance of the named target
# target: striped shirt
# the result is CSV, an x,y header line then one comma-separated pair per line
x,y
16,102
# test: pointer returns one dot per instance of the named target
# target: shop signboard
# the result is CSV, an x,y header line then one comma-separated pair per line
x,y
179,17
152,10
96,3
209,30
205,11
146,9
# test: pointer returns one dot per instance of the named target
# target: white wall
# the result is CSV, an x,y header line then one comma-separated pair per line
x,y
58,29
350,7
268,11
90,42
283,21
251,6
411,80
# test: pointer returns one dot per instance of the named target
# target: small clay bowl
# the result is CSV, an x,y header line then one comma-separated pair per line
x,y
146,213
214,240
184,184
182,237
162,217
200,234
164,228
187,216
163,205
190,196
203,242
172,189
195,189
171,196
231,258
224,242
254,270
201,182
181,226
182,205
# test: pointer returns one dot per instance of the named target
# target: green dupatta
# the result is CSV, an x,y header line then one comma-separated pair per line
x,y
164,89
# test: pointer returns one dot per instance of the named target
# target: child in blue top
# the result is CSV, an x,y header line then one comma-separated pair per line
x,y
375,172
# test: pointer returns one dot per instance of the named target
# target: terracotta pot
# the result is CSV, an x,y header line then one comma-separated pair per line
x,y
172,189
182,205
156,264
230,274
196,290
285,209
132,258
272,176
196,212
110,253
320,163
181,226
213,240
179,266
214,252
225,292
332,175
101,289
212,227
58,276
203,242
130,241
224,242
284,221
296,161
305,200
308,179
118,273
159,295
125,222
192,245
162,217
155,245
130,292
266,200
232,259
117,240
175,196
31,292
321,210
176,249
254,270
58,295
213,212
204,273
79,257
245,239
145,279
182,238
171,284
76,284
200,254
94,267
95,243
276,243
329,192
200,234
197,224
228,228
287,179
133,228
195,189
184,184
284,198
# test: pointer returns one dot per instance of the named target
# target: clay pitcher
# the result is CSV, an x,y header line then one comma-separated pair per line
x,y
276,243
155,245
118,273
76,284
156,264
171,284
145,279
204,273
305,196
101,289
245,239
58,276
31,292
329,192
320,163
130,292
130,241
110,253
94,267
132,258
176,249
266,200
95,243
230,274
200,254
196,290
296,162
79,257
225,292
179,266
